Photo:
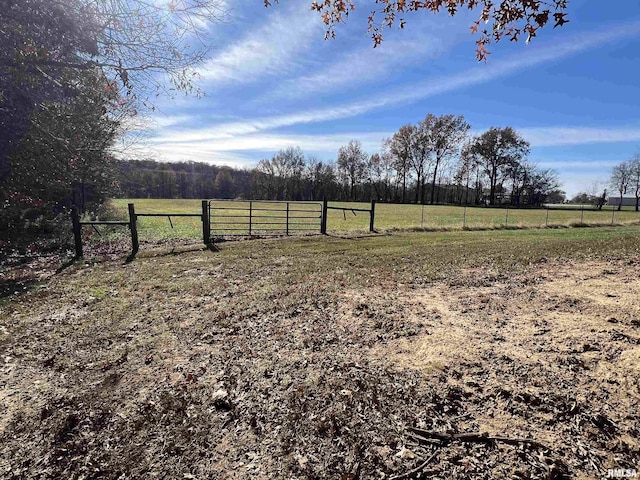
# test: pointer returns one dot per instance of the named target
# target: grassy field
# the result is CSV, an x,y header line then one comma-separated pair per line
x,y
388,217
319,357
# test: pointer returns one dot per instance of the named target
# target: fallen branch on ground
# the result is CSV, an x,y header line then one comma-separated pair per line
x,y
428,436
415,470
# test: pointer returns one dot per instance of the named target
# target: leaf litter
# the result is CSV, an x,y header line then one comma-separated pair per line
x,y
184,368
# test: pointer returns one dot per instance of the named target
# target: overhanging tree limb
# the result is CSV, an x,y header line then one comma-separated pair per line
x,y
511,19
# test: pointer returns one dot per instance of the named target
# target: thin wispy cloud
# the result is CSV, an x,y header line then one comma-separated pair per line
x,y
558,136
201,152
198,144
363,66
247,127
273,48
580,166
263,142
480,74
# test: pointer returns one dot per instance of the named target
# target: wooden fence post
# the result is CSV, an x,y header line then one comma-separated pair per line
x,y
133,226
77,231
373,215
206,226
323,220
250,216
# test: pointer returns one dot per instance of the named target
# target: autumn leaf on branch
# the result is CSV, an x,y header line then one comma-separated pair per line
x,y
510,18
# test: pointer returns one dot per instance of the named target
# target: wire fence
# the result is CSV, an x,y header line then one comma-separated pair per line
x,y
449,217
350,217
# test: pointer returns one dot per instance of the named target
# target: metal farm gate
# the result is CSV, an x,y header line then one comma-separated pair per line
x,y
232,218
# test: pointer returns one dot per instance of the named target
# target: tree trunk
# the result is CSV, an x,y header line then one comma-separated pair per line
x,y
493,180
466,192
620,202
433,183
404,185
492,191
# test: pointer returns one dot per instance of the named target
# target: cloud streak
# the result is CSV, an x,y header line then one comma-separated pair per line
x,y
270,49
363,66
559,136
202,146
435,86
174,146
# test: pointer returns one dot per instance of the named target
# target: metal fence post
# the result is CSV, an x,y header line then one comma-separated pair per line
x,y
613,214
323,220
506,221
287,232
77,231
133,226
581,214
546,223
206,227
373,215
464,217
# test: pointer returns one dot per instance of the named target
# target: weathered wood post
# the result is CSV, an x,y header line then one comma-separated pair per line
x,y
250,216
581,214
373,215
133,226
206,226
77,231
506,220
323,220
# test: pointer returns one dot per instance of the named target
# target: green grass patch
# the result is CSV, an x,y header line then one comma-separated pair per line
x,y
388,217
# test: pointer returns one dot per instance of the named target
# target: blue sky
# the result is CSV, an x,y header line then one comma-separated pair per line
x,y
272,81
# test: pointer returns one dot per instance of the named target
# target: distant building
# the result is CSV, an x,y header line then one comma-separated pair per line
x,y
626,201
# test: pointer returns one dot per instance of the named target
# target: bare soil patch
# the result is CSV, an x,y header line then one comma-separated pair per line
x,y
552,353
188,367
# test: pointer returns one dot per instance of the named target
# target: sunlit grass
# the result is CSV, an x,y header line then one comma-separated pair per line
x,y
388,217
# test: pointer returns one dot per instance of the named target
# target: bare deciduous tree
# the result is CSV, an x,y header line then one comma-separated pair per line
x,y
352,163
620,179
446,133
634,166
497,149
399,145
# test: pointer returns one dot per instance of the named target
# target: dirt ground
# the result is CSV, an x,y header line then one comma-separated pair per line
x,y
207,373
563,345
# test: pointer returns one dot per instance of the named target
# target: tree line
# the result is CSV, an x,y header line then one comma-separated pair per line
x,y
153,179
434,161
